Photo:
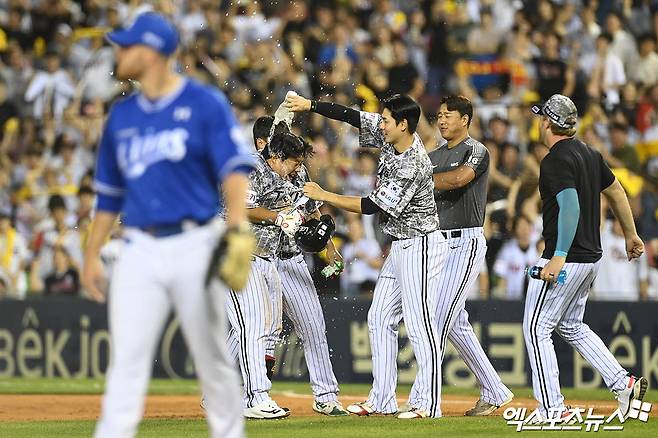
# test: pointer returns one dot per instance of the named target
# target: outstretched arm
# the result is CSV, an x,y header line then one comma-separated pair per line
x,y
328,109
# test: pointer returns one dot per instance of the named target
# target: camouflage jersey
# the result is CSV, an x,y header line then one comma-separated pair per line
x,y
404,189
269,190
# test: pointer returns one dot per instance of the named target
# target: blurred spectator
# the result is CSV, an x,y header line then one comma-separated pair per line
x,y
554,76
50,90
646,70
514,257
623,154
56,231
64,278
606,72
485,38
403,77
13,257
619,280
623,44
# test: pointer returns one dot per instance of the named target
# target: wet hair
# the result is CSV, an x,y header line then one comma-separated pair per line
x,y
286,145
460,104
403,107
262,127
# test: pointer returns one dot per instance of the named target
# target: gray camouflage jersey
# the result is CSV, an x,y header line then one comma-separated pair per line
x,y
405,188
268,190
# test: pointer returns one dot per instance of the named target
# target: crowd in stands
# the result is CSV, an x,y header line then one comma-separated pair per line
x,y
56,86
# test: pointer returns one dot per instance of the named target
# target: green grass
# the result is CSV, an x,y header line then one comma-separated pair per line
x,y
308,427
315,427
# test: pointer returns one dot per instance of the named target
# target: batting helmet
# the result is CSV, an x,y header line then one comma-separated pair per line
x,y
313,235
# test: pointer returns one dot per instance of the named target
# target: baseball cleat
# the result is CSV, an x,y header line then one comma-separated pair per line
x,y
413,413
267,410
483,408
635,390
332,409
361,409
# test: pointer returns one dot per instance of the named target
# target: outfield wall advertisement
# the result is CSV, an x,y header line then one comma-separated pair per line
x,y
69,338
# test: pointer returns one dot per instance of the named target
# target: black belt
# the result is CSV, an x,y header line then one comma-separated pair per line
x,y
166,230
455,234
286,255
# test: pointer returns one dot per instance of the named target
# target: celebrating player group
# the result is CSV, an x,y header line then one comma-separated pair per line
x,y
172,157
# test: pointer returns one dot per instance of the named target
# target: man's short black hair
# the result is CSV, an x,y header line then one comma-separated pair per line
x,y
56,202
606,36
403,107
286,145
262,127
460,104
618,126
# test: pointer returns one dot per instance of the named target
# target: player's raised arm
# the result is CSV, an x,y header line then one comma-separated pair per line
x,y
330,110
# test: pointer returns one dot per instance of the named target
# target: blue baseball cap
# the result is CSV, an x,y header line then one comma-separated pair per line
x,y
148,29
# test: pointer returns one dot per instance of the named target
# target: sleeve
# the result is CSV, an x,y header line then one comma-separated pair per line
x,y
254,191
560,174
109,182
478,159
228,149
393,194
567,220
607,177
370,134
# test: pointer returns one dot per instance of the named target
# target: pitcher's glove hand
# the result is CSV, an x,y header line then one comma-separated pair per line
x,y
231,259
289,221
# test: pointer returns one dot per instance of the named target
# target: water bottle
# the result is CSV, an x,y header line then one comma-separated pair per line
x,y
535,271
333,270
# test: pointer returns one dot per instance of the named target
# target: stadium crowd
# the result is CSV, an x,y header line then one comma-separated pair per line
x,y
56,85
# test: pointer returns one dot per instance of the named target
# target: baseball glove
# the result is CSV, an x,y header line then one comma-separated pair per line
x,y
231,259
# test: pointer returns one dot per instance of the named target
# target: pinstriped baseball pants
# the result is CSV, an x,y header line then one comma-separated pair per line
x,y
408,285
250,313
560,308
465,255
302,305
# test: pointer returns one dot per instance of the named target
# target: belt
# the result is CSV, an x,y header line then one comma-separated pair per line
x,y
286,255
454,234
166,230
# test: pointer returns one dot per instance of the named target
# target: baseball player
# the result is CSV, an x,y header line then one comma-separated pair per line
x,y
571,178
461,169
255,312
404,196
163,154
300,299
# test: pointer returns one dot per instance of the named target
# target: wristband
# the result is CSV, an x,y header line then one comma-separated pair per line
x,y
560,254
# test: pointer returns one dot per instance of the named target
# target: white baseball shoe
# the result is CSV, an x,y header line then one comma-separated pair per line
x,y
413,413
635,390
361,409
483,408
332,409
267,410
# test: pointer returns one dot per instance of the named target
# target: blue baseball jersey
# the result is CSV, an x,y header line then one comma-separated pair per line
x,y
160,162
